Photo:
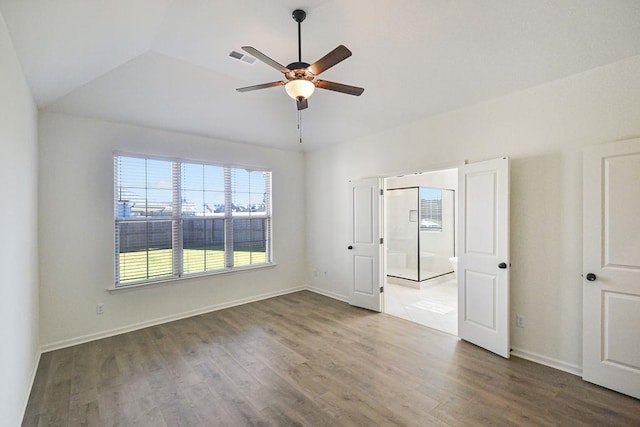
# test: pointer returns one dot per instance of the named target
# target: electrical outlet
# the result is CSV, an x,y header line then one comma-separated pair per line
x,y
100,308
519,321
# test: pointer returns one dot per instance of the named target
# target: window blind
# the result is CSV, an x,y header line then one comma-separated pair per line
x,y
176,218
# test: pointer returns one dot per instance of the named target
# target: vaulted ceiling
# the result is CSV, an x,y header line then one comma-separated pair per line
x,y
165,63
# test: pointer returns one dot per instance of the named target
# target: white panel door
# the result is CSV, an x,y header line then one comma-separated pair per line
x,y
483,255
365,248
611,262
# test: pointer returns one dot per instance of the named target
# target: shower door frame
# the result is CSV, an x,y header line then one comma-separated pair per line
x,y
388,239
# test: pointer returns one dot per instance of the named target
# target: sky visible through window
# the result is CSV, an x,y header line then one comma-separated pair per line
x,y
430,193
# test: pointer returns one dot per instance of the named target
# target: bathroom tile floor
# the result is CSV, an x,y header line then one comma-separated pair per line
x,y
435,306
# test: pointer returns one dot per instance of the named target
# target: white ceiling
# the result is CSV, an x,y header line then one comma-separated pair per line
x,y
165,64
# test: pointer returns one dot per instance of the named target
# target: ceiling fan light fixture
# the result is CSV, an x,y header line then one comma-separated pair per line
x,y
300,88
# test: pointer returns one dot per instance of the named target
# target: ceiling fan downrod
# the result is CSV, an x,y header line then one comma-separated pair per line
x,y
298,16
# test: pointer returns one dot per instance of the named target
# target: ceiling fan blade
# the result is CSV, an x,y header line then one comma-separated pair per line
x,y
262,86
339,87
302,103
329,60
264,58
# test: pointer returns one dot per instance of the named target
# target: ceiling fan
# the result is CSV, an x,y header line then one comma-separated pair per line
x,y
300,76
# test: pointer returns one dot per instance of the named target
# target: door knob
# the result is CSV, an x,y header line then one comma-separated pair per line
x,y
349,247
502,265
591,277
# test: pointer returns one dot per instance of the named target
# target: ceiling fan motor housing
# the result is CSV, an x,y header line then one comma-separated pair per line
x,y
299,71
299,15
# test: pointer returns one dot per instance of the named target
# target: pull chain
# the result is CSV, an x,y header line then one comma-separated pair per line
x,y
300,126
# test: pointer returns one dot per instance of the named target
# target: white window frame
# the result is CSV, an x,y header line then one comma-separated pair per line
x,y
177,219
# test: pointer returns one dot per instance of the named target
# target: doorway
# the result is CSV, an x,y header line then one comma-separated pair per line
x,y
419,223
482,250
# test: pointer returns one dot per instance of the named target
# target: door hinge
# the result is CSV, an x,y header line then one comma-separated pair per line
x,y
381,192
381,289
381,240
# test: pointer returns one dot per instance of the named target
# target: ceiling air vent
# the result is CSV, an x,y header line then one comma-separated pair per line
x,y
242,57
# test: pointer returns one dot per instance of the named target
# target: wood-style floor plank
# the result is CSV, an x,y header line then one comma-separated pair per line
x,y
306,360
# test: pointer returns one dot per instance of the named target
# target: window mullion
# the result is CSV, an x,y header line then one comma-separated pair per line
x,y
228,220
146,210
176,220
117,197
267,228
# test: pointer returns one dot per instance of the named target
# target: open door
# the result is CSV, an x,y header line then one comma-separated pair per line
x,y
483,255
365,247
611,262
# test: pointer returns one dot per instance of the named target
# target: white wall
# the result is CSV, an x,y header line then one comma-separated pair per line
x,y
18,230
76,229
543,130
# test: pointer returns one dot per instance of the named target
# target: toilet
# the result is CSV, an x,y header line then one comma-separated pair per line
x,y
454,263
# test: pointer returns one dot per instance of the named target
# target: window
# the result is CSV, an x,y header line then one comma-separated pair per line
x,y
430,209
175,218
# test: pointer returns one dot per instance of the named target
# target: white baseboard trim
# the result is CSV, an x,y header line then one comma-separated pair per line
x,y
523,354
328,294
34,371
134,327
548,361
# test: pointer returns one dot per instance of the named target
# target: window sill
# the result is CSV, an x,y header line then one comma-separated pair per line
x,y
172,280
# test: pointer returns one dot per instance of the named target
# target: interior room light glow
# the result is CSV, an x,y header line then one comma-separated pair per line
x,y
300,88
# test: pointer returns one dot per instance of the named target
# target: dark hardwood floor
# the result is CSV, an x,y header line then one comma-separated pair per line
x,y
304,359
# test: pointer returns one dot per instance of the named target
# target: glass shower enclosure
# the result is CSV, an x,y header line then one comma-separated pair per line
x,y
420,232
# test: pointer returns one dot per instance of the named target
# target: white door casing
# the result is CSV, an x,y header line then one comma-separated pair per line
x,y
483,255
611,266
365,248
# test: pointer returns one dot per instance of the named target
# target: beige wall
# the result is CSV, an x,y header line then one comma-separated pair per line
x,y
18,228
76,230
543,130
